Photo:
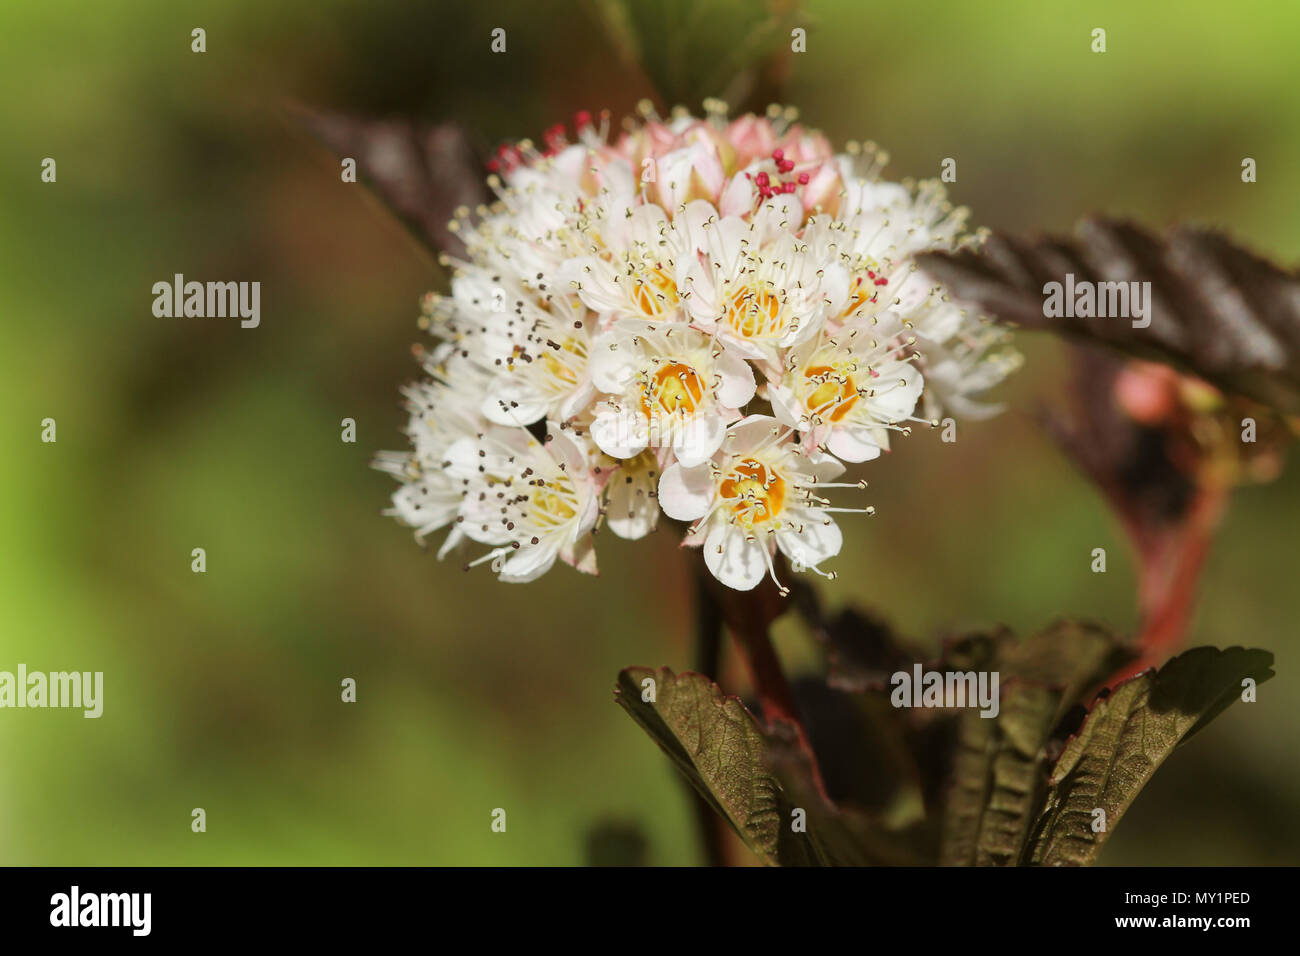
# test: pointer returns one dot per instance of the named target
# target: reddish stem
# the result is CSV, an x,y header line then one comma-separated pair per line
x,y
774,694
748,616
1167,580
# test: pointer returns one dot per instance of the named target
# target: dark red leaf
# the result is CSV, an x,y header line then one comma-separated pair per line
x,y
422,172
1218,311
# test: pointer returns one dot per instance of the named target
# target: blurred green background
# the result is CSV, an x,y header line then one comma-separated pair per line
x,y
222,689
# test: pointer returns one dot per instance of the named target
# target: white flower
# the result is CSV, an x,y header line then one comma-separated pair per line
x,y
634,274
671,387
544,208
685,174
844,390
631,508
441,415
532,503
888,221
971,362
427,500
759,493
754,285
540,360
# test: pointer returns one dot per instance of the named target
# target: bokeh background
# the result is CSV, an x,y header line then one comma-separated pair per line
x,y
222,689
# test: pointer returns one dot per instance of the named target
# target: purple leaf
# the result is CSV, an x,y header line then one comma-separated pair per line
x,y
1217,310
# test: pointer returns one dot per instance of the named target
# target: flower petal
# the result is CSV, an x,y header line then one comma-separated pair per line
x,y
632,511
512,401
733,559
686,493
853,443
816,539
529,563
737,380
750,432
620,434
698,438
613,362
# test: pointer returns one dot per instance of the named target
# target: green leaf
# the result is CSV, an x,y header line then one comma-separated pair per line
x,y
998,778
1125,738
716,743
690,49
1073,656
995,787
756,779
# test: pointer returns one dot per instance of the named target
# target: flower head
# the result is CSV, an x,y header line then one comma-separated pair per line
x,y
701,317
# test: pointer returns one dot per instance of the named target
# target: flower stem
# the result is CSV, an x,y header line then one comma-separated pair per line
x,y
711,828
749,616
1168,578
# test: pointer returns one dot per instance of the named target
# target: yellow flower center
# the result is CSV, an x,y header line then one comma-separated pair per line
x,y
758,492
654,292
562,364
675,389
832,392
552,504
866,289
755,312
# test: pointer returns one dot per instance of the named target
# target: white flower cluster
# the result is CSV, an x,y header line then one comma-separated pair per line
x,y
704,317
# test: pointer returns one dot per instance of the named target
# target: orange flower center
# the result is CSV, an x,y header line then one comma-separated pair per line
x,y
832,393
674,389
559,370
758,492
654,292
755,312
866,289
